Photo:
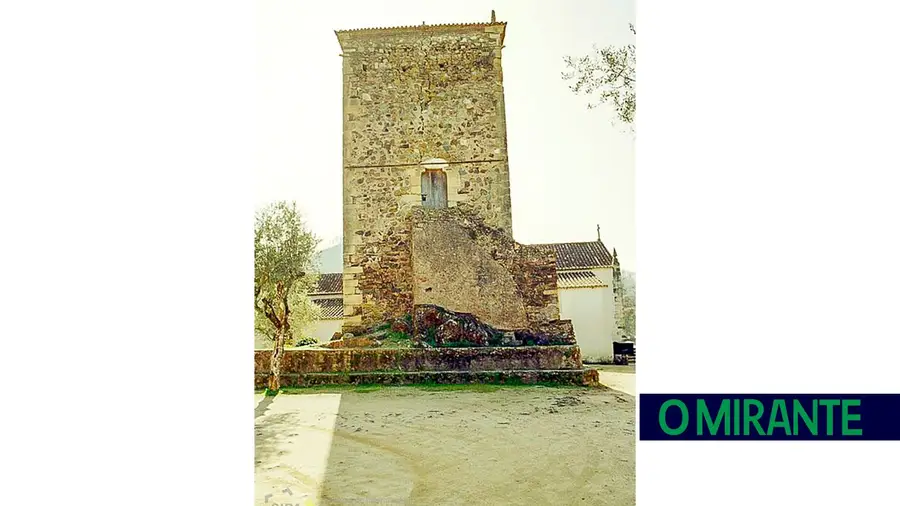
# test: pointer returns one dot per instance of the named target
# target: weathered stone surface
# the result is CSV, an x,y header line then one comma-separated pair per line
x,y
463,264
435,93
618,301
592,377
411,95
526,364
436,326
401,325
554,332
347,360
420,93
452,269
353,342
573,377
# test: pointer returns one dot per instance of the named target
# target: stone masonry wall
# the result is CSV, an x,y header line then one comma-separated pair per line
x,y
421,359
462,264
618,303
532,364
412,94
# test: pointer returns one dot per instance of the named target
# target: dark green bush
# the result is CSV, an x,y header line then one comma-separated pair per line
x,y
303,341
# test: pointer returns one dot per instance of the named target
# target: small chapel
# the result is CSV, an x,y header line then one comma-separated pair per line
x,y
426,198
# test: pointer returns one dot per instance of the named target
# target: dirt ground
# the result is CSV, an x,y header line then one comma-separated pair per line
x,y
626,369
476,445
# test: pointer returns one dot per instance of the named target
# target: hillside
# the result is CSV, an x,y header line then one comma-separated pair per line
x,y
331,259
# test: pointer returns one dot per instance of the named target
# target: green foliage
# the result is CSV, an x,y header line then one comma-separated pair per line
x,y
456,344
454,387
303,341
367,388
302,312
395,335
336,388
609,73
430,336
283,271
428,386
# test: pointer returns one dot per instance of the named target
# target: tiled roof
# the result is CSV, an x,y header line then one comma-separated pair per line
x,y
331,308
330,283
580,255
578,279
439,25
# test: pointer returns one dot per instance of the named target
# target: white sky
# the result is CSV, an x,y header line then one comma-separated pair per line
x,y
570,168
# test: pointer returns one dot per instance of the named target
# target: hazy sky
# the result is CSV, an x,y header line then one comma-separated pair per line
x,y
570,168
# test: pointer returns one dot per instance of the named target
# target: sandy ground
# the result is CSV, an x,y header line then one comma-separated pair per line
x,y
623,382
476,446
614,368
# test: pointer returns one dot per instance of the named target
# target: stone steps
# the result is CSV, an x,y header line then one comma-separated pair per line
x,y
580,377
347,360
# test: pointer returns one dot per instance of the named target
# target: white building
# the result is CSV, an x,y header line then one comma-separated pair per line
x,y
327,295
587,281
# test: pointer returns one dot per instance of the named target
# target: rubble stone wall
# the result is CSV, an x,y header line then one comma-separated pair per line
x,y
462,264
422,359
413,94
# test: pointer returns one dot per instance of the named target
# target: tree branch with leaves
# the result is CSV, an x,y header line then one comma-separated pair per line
x,y
284,253
609,75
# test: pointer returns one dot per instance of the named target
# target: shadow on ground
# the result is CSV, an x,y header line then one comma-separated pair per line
x,y
520,445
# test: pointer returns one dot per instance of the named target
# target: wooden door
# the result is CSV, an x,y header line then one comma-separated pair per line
x,y
434,189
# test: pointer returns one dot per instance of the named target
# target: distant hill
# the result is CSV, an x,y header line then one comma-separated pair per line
x,y
331,259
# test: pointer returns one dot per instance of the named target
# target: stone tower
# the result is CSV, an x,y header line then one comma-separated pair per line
x,y
424,126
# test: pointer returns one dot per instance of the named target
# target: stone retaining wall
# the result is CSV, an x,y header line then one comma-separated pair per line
x,y
353,360
573,377
398,366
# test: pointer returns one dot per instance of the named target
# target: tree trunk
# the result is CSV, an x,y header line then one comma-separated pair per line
x,y
277,354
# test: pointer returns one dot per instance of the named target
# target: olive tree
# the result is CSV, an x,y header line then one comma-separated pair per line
x,y
609,75
283,274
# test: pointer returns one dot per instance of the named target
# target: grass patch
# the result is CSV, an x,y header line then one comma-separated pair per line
x,y
368,388
427,387
455,387
396,336
491,387
552,384
332,388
